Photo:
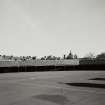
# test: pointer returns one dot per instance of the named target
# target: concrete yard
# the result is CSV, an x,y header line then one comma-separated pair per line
x,y
53,88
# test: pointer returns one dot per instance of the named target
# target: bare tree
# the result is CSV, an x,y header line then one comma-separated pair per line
x,y
89,56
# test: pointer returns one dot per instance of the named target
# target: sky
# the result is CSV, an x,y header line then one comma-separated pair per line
x,y
52,27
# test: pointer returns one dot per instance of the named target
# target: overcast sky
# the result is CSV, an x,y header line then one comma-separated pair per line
x,y
45,27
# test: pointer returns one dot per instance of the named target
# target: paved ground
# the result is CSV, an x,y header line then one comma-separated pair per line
x,y
50,88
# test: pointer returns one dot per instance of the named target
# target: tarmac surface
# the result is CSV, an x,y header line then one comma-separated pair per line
x,y
53,88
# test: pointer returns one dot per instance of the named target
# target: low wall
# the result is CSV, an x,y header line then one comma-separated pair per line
x,y
50,65
38,63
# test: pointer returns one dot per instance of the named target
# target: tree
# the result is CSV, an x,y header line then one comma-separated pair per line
x,y
42,58
58,58
34,58
101,56
49,57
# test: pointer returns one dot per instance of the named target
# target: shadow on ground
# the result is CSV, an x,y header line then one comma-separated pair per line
x,y
99,79
58,99
90,85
